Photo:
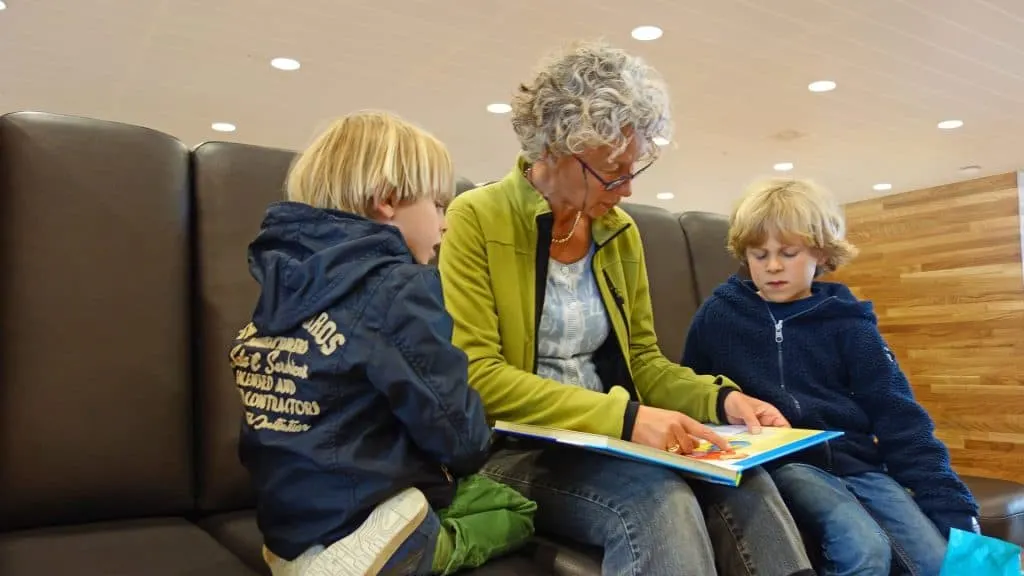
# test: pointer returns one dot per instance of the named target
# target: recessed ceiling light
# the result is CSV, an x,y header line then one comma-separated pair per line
x,y
223,127
646,33
822,86
499,108
3,5
950,124
286,64
882,186
660,141
783,166
665,195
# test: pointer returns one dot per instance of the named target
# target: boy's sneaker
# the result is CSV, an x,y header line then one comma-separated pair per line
x,y
366,551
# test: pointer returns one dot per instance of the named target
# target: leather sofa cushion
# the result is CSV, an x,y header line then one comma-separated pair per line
x,y
237,532
233,184
1002,507
95,370
668,271
712,264
565,558
171,547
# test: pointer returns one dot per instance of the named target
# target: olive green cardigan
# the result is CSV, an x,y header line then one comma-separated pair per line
x,y
488,268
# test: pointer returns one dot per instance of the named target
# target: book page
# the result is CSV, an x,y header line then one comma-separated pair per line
x,y
745,444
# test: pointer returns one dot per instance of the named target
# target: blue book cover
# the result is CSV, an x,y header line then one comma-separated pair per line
x,y
706,462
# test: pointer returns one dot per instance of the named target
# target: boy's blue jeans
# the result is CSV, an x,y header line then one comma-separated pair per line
x,y
865,524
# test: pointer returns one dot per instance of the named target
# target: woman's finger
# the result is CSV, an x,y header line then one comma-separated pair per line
x,y
780,421
678,436
702,431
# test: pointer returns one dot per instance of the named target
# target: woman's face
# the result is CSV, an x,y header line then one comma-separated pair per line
x,y
583,179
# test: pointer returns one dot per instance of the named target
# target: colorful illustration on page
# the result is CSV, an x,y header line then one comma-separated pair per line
x,y
708,451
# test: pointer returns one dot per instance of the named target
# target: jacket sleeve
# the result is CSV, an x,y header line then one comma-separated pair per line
x,y
912,454
423,375
509,392
696,357
661,382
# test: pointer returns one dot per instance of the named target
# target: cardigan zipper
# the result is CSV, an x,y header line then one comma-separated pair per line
x,y
541,278
620,301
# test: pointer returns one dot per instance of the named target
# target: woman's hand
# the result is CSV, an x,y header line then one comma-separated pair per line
x,y
672,431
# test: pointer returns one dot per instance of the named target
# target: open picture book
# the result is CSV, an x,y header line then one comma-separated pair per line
x,y
707,462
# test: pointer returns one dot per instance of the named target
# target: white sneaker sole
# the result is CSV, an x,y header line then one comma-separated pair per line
x,y
368,549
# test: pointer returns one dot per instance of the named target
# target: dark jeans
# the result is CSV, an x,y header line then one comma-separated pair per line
x,y
649,520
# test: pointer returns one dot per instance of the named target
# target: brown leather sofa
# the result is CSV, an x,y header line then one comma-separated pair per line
x,y
123,279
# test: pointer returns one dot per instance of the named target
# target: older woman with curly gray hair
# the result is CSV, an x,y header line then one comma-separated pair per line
x,y
545,278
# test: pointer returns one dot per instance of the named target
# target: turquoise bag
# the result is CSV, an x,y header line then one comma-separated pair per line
x,y
970,554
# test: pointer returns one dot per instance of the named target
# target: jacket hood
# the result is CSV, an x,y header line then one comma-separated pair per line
x,y
306,258
828,300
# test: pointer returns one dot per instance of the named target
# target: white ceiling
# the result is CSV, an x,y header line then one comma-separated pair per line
x,y
738,70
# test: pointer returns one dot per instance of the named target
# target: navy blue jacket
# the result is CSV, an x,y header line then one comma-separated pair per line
x,y
823,363
351,387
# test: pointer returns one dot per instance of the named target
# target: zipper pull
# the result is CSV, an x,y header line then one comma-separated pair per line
x,y
778,332
447,474
615,291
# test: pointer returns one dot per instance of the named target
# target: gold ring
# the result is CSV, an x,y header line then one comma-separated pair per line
x,y
674,448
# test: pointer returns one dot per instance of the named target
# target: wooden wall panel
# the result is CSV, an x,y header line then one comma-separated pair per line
x,y
944,269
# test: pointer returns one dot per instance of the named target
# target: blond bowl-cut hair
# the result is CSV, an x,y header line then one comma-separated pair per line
x,y
794,210
370,157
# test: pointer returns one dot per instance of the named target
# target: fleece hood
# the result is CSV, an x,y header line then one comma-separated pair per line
x,y
828,300
306,258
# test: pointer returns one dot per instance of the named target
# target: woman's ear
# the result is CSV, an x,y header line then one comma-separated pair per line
x,y
550,159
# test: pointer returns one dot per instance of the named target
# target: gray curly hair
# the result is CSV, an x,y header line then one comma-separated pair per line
x,y
585,96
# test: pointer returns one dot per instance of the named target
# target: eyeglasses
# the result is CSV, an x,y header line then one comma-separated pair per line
x,y
613,184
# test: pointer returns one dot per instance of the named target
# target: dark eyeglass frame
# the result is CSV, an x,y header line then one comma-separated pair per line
x,y
613,184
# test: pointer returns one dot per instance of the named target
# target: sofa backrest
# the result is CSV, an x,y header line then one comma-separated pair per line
x,y
710,260
669,273
95,398
233,185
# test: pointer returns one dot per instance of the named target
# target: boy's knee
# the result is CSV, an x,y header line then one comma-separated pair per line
x,y
869,553
878,554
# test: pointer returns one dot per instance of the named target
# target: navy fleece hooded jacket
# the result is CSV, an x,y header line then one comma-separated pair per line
x,y
351,388
823,363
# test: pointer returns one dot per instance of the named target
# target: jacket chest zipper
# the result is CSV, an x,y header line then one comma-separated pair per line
x,y
782,382
782,371
778,345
